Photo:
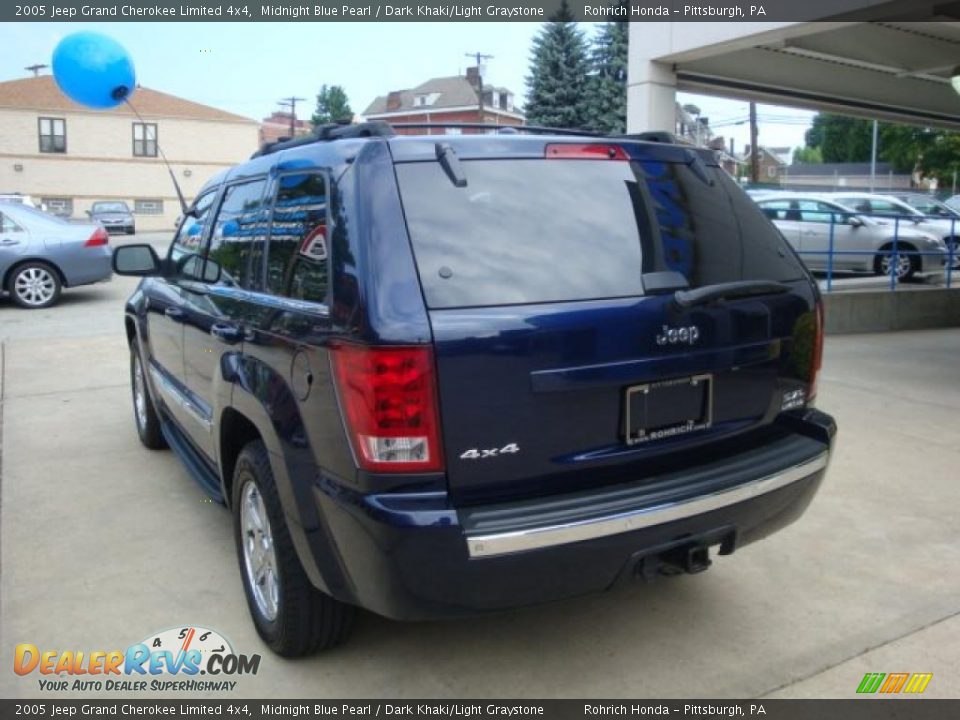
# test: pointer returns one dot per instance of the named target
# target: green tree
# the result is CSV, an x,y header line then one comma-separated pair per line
x,y
333,106
931,152
807,155
557,83
607,85
840,138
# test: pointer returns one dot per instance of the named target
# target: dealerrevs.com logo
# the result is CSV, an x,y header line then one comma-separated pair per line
x,y
171,660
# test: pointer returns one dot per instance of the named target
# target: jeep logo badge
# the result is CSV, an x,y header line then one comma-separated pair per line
x,y
675,336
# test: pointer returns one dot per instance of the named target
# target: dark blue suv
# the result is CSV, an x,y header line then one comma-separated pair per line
x,y
440,374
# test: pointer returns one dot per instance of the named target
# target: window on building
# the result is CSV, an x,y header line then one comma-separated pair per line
x,y
420,100
144,139
148,206
297,251
53,135
60,206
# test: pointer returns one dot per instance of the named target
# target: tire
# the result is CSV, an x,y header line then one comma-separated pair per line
x,y
908,265
289,613
131,231
144,411
34,285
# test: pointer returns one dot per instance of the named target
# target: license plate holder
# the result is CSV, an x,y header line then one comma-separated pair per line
x,y
667,408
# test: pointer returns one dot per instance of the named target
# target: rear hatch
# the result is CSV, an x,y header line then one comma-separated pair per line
x,y
565,356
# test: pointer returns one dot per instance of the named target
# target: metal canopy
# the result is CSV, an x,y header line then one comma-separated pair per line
x,y
898,71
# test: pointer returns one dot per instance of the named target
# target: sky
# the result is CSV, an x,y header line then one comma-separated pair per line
x,y
246,68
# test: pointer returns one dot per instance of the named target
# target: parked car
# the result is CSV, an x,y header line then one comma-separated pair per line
x,y
953,201
889,206
440,375
40,254
23,200
862,243
114,216
932,209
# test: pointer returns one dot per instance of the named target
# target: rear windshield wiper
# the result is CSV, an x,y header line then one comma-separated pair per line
x,y
728,291
451,164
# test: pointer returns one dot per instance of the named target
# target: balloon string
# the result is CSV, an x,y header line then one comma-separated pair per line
x,y
176,185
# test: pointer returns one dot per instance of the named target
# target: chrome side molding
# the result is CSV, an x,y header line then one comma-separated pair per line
x,y
481,546
174,395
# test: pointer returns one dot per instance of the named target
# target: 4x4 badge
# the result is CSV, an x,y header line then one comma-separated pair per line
x,y
482,454
687,335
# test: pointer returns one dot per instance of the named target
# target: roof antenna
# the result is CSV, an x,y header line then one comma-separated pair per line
x,y
123,93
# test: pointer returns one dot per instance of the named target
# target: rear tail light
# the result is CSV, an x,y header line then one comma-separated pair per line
x,y
99,237
817,360
585,151
389,402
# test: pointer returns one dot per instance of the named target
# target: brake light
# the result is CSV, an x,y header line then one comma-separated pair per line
x,y
816,361
100,237
389,401
585,151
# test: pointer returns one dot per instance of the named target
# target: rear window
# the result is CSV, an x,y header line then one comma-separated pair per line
x,y
533,231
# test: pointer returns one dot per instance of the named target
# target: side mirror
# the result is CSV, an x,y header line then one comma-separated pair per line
x,y
856,221
136,260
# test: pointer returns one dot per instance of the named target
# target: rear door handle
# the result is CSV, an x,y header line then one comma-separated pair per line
x,y
175,314
6,242
230,334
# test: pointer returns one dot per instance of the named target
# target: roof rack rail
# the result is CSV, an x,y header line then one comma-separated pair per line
x,y
506,129
326,133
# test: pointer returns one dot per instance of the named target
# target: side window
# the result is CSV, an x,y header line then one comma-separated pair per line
x,y
775,209
186,251
7,225
813,212
882,207
297,251
239,227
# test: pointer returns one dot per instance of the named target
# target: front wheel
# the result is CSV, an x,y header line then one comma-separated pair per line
x,y
34,285
906,264
290,614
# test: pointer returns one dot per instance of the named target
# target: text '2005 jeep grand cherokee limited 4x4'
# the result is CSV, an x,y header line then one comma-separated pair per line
x,y
445,374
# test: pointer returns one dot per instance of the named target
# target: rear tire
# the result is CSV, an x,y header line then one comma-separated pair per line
x,y
907,265
34,285
144,411
289,613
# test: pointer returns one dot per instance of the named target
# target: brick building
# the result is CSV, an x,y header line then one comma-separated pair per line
x,y
453,99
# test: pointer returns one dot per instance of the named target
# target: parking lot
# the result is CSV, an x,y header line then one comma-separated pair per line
x,y
105,543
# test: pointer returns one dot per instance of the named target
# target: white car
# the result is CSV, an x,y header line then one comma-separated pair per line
x,y
860,243
889,206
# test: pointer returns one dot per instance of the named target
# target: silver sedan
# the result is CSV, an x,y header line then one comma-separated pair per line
x,y
41,254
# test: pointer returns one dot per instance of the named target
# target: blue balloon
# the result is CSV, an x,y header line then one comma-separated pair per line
x,y
93,70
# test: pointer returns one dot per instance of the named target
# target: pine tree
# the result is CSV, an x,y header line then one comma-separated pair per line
x,y
557,85
608,81
333,106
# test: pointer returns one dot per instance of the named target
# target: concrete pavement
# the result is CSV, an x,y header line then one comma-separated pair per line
x,y
103,543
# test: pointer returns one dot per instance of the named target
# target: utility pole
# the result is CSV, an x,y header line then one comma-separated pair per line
x,y
35,69
873,159
291,102
479,57
754,150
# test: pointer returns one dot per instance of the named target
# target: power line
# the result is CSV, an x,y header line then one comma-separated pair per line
x,y
479,57
291,102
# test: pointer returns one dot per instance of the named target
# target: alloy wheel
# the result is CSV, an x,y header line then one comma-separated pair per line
x,y
259,557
